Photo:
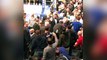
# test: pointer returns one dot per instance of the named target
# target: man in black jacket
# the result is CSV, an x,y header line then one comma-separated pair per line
x,y
37,45
26,40
54,21
71,38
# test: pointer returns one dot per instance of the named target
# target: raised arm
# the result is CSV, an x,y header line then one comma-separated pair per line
x,y
56,40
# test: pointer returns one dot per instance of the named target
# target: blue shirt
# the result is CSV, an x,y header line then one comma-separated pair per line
x,y
76,26
64,52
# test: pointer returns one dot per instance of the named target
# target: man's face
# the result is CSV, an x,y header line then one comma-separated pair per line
x,y
68,10
71,2
55,16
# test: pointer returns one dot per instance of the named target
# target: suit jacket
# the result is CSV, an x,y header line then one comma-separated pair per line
x,y
53,24
38,43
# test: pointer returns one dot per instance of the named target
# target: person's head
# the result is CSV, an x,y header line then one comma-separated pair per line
x,y
32,16
74,1
41,23
32,31
47,29
37,32
47,24
57,51
78,17
80,33
62,36
44,18
79,7
55,16
63,6
68,5
71,2
80,1
37,19
60,21
24,15
49,41
26,24
68,10
48,19
75,12
69,26
65,19
67,22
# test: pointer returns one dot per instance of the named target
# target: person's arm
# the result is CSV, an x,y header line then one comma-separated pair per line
x,y
56,40
79,41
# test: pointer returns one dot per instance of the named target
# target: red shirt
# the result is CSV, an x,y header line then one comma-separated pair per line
x,y
79,41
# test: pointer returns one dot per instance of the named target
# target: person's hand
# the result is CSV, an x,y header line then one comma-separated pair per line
x,y
75,44
54,34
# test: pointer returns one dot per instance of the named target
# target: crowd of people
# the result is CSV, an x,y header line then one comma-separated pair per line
x,y
33,1
57,34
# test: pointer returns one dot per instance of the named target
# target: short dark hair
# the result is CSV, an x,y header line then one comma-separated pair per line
x,y
69,26
49,41
47,28
38,17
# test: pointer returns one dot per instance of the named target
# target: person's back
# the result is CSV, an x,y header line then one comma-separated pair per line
x,y
64,52
50,53
76,26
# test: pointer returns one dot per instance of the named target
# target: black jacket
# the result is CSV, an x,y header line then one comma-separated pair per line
x,y
38,43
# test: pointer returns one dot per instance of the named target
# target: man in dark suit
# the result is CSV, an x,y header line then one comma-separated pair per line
x,y
58,28
71,38
26,40
37,45
54,21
